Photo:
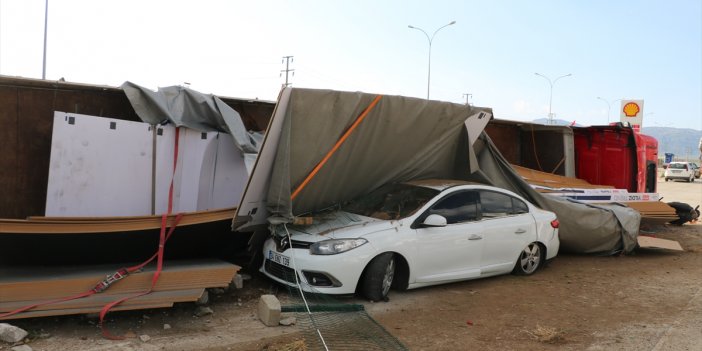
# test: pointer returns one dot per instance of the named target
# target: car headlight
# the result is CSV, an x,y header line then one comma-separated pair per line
x,y
335,246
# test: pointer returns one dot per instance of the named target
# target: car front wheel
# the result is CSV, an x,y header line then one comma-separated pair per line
x,y
529,260
378,277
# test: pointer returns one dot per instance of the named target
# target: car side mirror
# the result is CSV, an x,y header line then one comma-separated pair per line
x,y
434,220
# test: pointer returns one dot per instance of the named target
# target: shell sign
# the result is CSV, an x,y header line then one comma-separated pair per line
x,y
631,112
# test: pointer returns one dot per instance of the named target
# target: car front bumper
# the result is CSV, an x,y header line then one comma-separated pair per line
x,y
326,274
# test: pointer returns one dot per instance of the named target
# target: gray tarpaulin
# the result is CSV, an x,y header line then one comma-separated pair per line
x,y
401,139
189,108
585,228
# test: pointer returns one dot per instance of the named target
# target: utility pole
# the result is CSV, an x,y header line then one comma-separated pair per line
x,y
46,22
468,96
287,70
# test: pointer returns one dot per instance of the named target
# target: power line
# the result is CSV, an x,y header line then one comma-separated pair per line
x,y
287,70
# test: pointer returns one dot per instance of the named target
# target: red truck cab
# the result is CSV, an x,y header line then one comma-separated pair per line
x,y
616,155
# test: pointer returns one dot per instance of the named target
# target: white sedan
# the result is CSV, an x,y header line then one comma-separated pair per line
x,y
410,235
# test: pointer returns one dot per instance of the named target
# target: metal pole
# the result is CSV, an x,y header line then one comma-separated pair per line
x,y
430,41
46,20
609,107
550,99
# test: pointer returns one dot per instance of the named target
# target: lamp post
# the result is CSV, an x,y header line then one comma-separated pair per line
x,y
550,99
609,106
430,39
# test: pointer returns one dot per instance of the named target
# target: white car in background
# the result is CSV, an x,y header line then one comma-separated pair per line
x,y
411,235
680,170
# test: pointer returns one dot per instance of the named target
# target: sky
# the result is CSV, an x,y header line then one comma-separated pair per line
x,y
626,49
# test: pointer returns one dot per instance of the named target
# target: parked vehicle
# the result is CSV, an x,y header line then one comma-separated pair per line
x,y
410,235
697,169
680,170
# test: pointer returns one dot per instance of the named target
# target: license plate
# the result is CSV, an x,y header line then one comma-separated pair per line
x,y
677,171
278,258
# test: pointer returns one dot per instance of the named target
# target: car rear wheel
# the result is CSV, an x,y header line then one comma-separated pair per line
x,y
378,277
529,260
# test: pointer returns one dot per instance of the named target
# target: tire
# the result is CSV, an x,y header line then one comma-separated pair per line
x,y
377,280
529,260
666,179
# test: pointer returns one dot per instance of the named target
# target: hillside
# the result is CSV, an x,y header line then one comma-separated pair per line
x,y
683,142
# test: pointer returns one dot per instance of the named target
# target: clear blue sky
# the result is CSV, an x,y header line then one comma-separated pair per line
x,y
649,50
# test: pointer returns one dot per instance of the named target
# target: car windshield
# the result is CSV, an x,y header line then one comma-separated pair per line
x,y
391,201
678,166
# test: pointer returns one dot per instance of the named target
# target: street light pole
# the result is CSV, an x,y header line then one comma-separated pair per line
x,y
46,21
550,99
609,106
430,39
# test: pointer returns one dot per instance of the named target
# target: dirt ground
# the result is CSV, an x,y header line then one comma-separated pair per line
x,y
650,300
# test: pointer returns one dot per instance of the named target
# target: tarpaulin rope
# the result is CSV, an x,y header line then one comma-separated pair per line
x,y
338,144
124,272
163,237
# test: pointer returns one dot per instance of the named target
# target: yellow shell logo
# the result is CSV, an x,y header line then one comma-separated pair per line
x,y
631,109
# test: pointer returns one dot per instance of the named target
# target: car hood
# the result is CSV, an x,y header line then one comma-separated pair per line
x,y
337,225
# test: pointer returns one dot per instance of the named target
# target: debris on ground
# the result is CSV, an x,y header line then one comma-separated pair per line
x,y
547,335
288,321
203,311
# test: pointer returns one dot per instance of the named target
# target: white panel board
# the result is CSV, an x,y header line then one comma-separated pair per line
x,y
99,167
230,175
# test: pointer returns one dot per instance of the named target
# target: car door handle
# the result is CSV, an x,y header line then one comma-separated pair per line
x,y
475,237
520,231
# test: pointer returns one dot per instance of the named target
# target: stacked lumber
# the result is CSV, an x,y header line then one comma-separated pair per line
x,y
180,281
549,180
85,225
654,212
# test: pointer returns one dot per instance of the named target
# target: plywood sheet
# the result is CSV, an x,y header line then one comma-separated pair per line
x,y
658,243
47,283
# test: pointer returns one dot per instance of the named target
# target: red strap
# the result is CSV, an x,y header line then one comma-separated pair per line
x,y
122,273
159,254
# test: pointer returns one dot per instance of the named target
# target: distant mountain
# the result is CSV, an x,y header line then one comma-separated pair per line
x,y
683,142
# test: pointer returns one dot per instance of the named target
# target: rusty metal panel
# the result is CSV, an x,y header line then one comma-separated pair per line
x,y
8,156
507,138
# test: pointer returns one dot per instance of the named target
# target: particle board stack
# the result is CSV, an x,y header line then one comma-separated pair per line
x,y
652,212
84,225
180,281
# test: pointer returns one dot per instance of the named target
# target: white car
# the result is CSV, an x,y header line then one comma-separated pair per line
x,y
680,170
411,235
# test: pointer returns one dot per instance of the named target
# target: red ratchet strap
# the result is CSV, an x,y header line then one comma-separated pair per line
x,y
124,272
163,237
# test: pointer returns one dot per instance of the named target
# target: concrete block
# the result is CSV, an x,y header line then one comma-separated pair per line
x,y
10,333
269,310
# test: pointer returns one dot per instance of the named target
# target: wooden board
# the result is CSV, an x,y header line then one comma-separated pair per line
x,y
535,177
89,225
658,243
99,300
47,283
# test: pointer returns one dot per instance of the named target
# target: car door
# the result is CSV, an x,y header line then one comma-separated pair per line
x,y
508,228
451,252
